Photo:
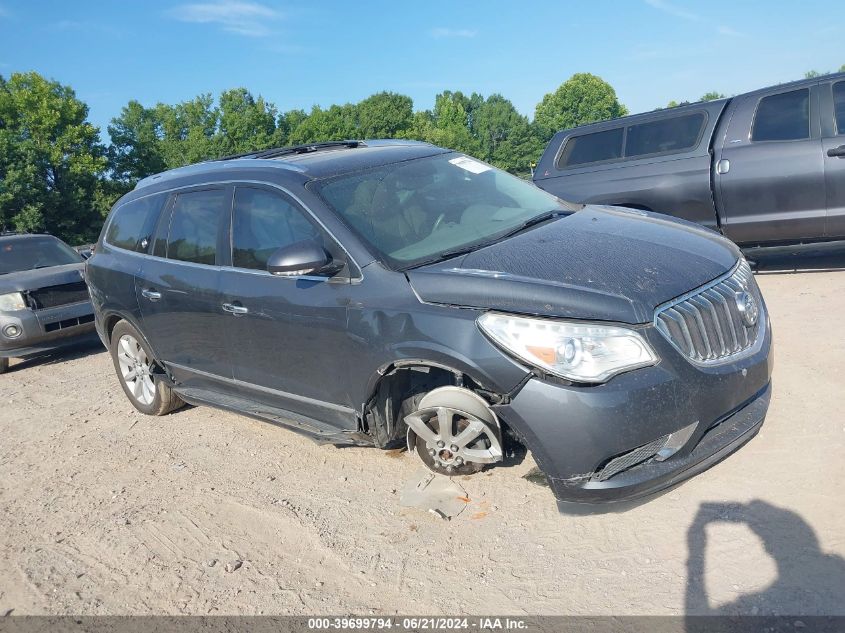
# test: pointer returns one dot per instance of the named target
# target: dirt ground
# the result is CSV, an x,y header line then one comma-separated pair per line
x,y
105,511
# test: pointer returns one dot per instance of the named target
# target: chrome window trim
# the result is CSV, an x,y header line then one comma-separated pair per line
x,y
749,351
276,392
352,279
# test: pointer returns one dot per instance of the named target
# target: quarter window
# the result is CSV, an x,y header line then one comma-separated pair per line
x,y
672,134
194,225
839,105
592,148
263,222
132,222
783,117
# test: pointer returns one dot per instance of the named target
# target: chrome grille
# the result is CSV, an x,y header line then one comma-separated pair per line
x,y
707,324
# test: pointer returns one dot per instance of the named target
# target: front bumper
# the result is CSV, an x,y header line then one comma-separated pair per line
x,y
43,331
576,432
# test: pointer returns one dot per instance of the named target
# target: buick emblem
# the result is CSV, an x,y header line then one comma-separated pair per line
x,y
748,308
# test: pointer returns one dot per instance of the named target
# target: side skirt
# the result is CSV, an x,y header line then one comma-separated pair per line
x,y
316,430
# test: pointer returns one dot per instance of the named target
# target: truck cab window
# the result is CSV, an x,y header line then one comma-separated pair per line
x,y
839,106
592,148
783,117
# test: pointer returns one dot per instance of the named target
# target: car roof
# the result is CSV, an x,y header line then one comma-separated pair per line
x,y
9,237
313,161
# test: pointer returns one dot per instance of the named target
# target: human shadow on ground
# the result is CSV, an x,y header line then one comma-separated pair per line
x,y
809,582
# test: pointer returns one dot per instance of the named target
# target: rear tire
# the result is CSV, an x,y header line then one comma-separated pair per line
x,y
134,364
4,365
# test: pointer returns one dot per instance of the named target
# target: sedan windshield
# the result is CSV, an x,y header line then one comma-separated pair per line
x,y
28,253
432,208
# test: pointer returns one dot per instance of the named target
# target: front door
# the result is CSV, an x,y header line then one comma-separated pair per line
x,y
770,171
288,339
833,146
178,288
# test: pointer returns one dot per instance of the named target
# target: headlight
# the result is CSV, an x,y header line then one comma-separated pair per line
x,y
575,351
12,301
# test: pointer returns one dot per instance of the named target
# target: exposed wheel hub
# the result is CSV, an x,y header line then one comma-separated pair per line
x,y
454,432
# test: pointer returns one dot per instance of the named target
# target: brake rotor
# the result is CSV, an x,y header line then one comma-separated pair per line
x,y
454,432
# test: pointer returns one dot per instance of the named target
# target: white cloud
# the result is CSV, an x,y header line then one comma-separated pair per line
x,y
671,9
726,30
235,16
446,32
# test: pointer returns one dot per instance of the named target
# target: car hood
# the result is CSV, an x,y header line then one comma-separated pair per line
x,y
41,278
600,263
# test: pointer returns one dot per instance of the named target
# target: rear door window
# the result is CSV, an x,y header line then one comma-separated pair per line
x,y
263,222
783,117
194,226
132,223
592,148
673,134
839,106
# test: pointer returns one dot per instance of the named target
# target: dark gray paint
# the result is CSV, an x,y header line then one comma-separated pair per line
x,y
553,270
317,347
774,191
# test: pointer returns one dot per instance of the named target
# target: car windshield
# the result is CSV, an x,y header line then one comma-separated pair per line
x,y
427,209
28,253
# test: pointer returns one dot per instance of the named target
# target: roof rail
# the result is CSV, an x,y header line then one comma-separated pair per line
x,y
293,149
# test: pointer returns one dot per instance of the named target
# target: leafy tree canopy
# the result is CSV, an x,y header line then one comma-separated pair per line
x,y
51,160
583,98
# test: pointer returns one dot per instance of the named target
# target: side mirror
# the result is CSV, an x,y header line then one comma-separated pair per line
x,y
301,258
86,253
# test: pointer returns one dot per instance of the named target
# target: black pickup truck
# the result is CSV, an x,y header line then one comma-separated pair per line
x,y
764,168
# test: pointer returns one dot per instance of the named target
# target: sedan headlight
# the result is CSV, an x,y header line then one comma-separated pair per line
x,y
12,301
576,351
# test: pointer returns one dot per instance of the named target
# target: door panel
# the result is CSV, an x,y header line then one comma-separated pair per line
x,y
179,293
834,156
288,338
773,188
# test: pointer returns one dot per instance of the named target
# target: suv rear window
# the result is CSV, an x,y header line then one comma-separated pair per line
x,y
783,117
839,105
194,226
592,148
672,134
132,222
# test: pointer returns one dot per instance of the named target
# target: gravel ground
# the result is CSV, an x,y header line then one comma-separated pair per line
x,y
105,511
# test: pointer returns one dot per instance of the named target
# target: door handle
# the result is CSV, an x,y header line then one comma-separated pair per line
x,y
152,295
837,152
723,166
237,310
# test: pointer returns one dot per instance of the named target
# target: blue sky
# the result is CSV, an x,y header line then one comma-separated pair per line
x,y
297,53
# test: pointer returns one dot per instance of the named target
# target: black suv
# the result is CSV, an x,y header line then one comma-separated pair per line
x,y
44,304
387,291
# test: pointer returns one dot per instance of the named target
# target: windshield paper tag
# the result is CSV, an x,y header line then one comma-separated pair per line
x,y
465,162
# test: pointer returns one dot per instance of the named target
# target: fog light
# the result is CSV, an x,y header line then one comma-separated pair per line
x,y
12,331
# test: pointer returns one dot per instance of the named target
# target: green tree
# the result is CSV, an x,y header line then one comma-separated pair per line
x,y
506,137
385,115
711,96
335,123
245,123
583,98
51,160
188,130
135,151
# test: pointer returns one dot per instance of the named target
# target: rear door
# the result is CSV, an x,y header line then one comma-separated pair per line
x,y
178,288
288,338
770,171
833,145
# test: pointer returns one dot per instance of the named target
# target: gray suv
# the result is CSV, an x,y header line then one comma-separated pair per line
x,y
44,304
389,292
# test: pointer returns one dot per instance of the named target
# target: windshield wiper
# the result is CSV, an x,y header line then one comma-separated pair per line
x,y
537,219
